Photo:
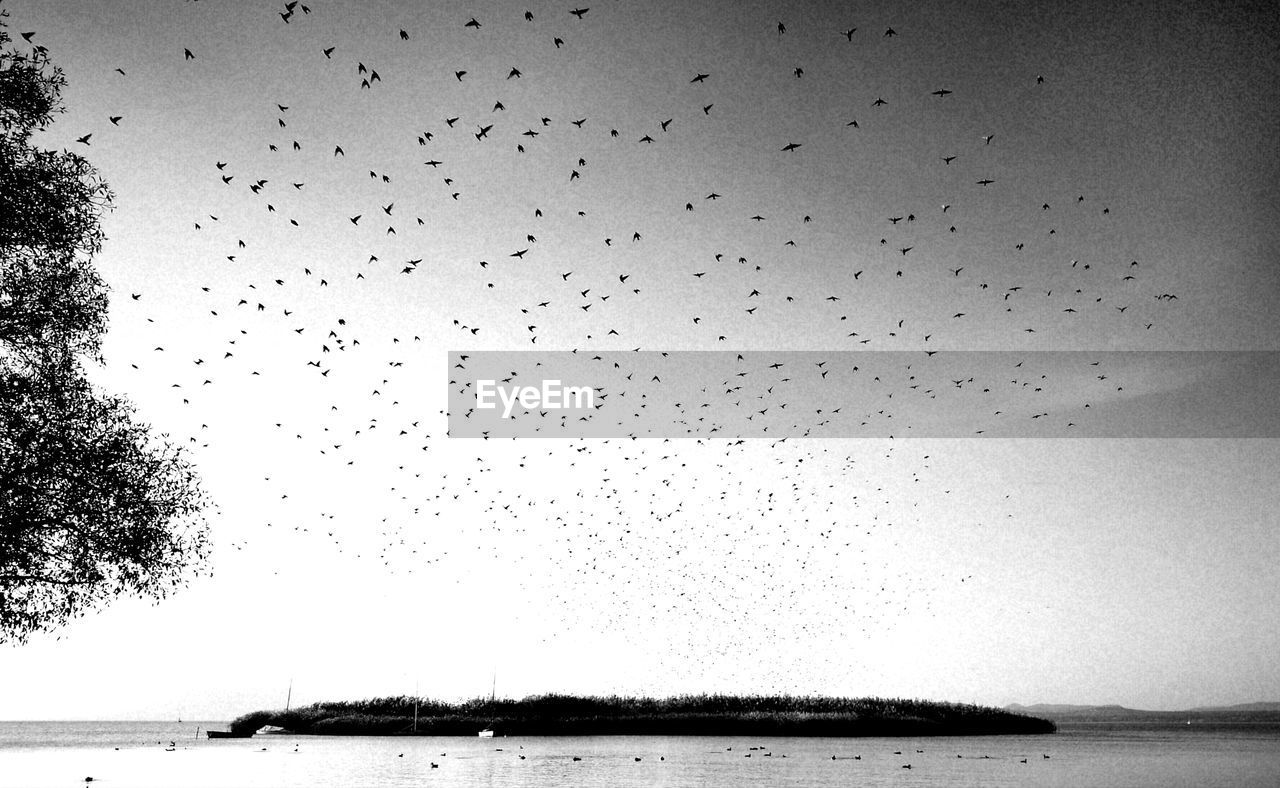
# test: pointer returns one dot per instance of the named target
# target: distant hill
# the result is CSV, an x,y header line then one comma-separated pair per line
x,y
1238,713
1064,708
1259,706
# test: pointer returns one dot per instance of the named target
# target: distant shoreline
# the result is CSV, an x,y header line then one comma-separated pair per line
x,y
699,715
1266,712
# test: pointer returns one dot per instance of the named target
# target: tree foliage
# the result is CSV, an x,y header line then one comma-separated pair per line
x,y
92,506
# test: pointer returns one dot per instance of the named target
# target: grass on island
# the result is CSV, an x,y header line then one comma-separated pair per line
x,y
686,715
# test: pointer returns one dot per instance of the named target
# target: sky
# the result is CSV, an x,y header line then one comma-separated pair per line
x,y
292,256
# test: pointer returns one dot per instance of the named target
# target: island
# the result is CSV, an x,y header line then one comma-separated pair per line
x,y
687,715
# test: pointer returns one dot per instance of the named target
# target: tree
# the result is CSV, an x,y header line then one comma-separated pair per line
x,y
92,505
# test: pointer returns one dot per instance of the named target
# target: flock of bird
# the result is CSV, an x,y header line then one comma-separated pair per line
x,y
533,208
750,751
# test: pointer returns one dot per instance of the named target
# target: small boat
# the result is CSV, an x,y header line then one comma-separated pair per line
x,y
228,734
487,733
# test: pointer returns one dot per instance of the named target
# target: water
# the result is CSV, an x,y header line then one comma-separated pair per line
x,y
120,754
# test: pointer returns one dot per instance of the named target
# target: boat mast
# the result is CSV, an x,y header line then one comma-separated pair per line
x,y
289,697
415,707
493,692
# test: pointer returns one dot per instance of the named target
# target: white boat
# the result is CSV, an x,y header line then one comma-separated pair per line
x,y
487,733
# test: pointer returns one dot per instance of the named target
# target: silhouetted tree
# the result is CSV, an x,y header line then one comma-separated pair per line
x,y
91,505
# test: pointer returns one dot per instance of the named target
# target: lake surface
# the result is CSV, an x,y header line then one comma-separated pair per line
x,y
118,754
